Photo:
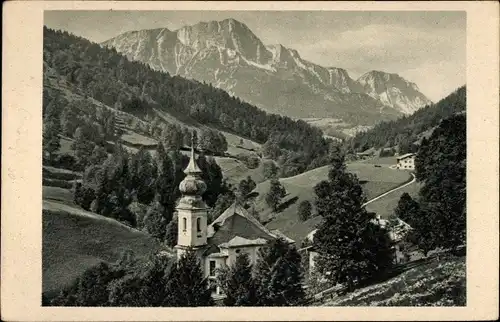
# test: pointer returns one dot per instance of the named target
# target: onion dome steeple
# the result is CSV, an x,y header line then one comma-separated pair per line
x,y
192,186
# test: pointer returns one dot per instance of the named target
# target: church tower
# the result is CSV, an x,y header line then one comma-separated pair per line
x,y
192,212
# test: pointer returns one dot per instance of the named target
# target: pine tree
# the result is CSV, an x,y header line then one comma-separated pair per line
x,y
441,167
154,221
165,182
51,130
246,186
407,209
83,145
186,284
346,238
279,275
171,232
275,194
304,210
237,283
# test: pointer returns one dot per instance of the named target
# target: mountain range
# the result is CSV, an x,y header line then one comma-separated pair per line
x,y
230,56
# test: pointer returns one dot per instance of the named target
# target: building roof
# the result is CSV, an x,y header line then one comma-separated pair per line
x,y
279,234
236,227
236,210
404,156
238,241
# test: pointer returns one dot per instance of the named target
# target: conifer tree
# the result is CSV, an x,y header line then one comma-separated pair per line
x,y
154,221
441,168
51,130
279,275
237,283
407,208
275,194
346,238
305,210
186,284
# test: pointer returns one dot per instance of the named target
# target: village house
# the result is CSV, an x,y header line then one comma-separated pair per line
x,y
396,234
217,244
406,161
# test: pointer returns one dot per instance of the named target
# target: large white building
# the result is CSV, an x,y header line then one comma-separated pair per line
x,y
406,161
234,231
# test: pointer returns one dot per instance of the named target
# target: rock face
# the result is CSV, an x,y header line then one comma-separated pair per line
x,y
275,78
393,90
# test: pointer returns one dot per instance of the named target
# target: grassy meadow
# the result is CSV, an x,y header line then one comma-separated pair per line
x,y
374,180
75,240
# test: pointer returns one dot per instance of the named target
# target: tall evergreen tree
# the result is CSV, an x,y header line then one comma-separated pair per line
x,y
51,130
186,283
305,210
441,167
279,275
346,238
238,284
275,194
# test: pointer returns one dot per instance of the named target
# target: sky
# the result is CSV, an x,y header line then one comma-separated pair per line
x,y
425,47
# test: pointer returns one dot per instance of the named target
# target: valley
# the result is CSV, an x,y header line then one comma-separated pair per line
x,y
277,79
204,136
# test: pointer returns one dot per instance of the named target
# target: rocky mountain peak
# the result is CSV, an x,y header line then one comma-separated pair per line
x,y
229,55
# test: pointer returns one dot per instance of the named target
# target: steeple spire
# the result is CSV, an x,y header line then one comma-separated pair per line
x,y
192,167
193,184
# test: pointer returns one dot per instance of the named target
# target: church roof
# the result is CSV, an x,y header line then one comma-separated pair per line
x,y
240,241
236,227
279,234
237,210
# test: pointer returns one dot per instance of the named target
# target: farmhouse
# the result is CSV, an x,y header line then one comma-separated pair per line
x,y
235,231
406,161
396,234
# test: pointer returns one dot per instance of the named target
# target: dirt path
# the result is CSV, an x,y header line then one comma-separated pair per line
x,y
392,190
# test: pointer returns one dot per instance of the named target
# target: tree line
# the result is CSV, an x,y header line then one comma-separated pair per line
x,y
405,131
438,215
108,77
160,280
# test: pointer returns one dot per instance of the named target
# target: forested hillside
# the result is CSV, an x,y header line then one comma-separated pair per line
x,y
405,131
110,78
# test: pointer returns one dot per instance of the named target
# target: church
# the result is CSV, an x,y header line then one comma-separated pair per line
x,y
235,231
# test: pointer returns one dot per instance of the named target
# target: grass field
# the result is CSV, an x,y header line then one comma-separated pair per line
x,y
385,206
384,161
75,240
374,180
436,283
137,139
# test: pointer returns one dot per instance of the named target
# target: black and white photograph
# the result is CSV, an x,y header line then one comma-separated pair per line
x,y
258,158
203,159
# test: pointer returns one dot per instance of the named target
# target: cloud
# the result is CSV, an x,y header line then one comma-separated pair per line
x,y
420,55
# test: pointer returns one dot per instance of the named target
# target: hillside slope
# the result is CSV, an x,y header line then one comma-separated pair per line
x,y
435,283
230,56
374,181
102,75
409,130
75,240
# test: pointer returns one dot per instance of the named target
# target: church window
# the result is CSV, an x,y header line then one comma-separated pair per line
x,y
238,251
211,269
198,225
184,224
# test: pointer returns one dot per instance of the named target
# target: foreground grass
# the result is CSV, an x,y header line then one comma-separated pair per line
x,y
75,240
436,283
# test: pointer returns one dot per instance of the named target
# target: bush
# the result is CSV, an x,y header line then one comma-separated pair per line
x,y
250,160
66,161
